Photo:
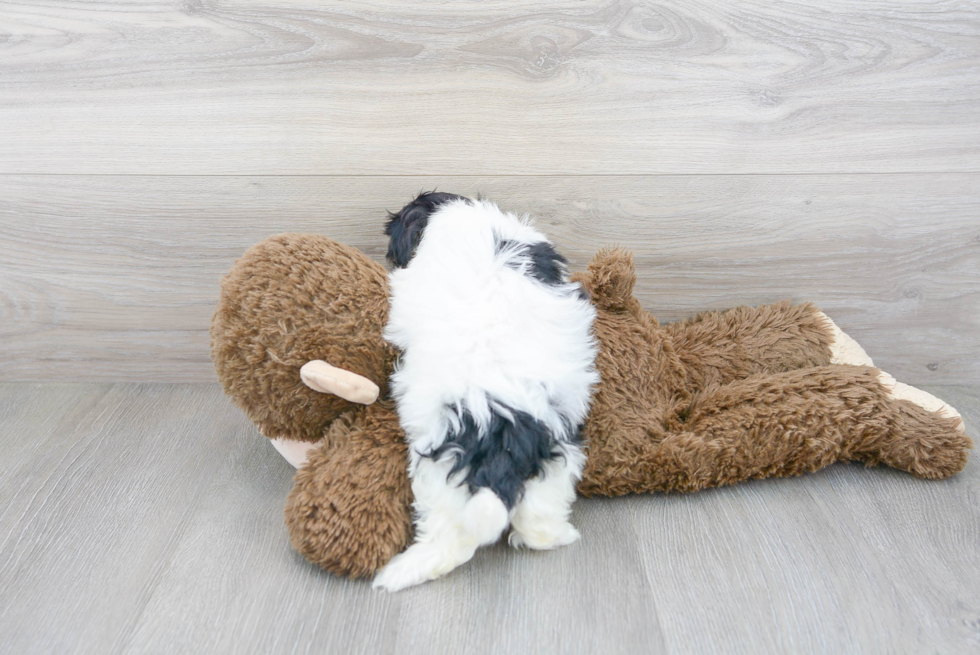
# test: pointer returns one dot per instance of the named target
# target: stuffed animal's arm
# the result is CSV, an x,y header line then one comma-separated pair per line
x,y
321,376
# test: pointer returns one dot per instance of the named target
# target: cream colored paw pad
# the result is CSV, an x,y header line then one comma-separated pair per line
x,y
901,391
844,349
295,452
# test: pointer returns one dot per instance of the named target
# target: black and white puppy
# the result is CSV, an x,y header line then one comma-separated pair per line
x,y
493,384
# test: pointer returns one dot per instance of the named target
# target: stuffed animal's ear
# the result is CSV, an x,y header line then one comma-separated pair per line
x,y
405,228
610,279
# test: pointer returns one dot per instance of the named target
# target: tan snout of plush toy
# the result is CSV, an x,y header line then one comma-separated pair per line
x,y
749,393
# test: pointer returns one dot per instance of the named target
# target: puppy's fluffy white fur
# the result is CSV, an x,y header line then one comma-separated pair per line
x,y
480,335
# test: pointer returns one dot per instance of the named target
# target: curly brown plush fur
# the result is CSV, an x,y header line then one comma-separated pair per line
x,y
290,299
724,397
747,393
349,510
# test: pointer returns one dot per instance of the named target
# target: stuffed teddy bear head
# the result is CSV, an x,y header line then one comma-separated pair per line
x,y
289,300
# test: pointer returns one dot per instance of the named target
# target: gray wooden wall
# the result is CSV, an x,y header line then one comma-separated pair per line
x,y
747,152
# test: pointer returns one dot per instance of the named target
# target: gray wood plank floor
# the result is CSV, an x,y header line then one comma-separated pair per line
x,y
820,150
147,518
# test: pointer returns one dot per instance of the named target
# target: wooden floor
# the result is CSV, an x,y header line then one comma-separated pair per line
x,y
148,518
817,150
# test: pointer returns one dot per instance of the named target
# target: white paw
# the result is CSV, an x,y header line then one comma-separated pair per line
x,y
486,517
924,399
418,564
844,349
544,537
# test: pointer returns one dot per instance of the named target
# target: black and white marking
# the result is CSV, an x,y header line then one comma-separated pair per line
x,y
493,383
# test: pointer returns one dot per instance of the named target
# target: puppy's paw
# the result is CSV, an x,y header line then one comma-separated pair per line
x,y
418,564
486,517
844,349
544,536
925,400
399,574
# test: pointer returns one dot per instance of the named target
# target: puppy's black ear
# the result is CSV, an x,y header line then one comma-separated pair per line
x,y
405,228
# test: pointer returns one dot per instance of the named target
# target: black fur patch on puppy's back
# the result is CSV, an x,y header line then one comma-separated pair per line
x,y
547,264
504,457
405,228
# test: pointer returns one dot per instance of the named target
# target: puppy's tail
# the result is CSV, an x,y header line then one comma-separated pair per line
x,y
486,517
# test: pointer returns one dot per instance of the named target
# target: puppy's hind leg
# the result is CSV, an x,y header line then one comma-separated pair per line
x,y
540,520
486,517
451,525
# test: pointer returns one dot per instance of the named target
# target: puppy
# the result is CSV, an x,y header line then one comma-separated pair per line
x,y
493,384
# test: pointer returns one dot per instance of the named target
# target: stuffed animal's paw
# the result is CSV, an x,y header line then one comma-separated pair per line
x,y
924,436
925,400
844,349
295,452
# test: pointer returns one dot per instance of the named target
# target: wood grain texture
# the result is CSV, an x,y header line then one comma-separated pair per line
x,y
844,560
490,88
90,520
747,152
116,277
148,518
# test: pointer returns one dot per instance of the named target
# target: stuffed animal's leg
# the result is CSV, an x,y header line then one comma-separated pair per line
x,y
803,420
787,424
720,347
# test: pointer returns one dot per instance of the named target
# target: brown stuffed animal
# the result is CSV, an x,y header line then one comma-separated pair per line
x,y
748,393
